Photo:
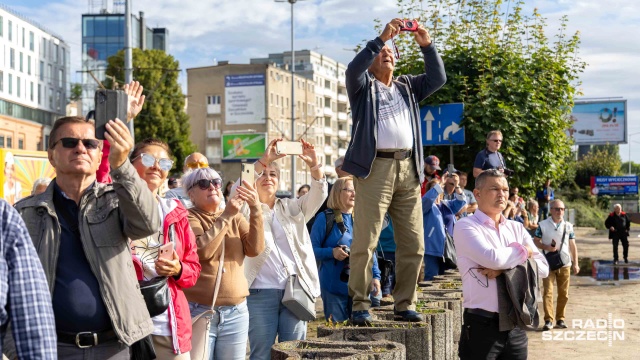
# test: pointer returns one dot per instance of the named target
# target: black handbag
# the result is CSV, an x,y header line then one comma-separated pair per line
x,y
450,258
386,267
156,295
142,349
555,259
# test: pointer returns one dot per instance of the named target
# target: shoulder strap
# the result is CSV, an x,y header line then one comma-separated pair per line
x,y
331,216
219,277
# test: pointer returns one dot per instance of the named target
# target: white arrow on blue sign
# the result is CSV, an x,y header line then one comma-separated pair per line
x,y
441,124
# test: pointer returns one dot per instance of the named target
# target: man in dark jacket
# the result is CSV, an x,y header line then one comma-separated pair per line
x,y
385,158
618,225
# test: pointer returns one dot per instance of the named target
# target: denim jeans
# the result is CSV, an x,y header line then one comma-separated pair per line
x,y
229,330
268,318
433,265
339,306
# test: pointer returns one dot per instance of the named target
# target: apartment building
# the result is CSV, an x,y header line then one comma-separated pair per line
x,y
235,110
34,77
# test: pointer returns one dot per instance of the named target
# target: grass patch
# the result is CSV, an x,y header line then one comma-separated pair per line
x,y
587,215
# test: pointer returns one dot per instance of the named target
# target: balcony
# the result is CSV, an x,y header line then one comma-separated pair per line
x,y
213,109
328,130
342,98
327,111
342,151
342,116
328,150
328,92
342,134
213,134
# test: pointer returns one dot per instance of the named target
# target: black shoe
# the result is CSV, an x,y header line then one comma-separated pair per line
x,y
626,261
561,325
361,318
548,325
615,262
408,315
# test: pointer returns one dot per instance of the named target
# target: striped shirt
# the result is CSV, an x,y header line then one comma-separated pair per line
x,y
25,300
394,120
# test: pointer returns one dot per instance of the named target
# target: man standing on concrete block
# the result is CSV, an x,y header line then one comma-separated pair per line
x,y
385,157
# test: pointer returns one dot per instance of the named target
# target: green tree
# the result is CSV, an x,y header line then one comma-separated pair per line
x,y
635,168
76,92
598,162
508,74
163,115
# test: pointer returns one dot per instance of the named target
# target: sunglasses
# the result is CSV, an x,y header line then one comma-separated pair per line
x,y
496,140
197,165
71,143
558,209
204,184
149,160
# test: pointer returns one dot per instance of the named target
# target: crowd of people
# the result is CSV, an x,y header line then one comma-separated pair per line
x,y
86,247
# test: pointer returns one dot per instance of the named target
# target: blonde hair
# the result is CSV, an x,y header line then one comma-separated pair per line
x,y
335,200
493,132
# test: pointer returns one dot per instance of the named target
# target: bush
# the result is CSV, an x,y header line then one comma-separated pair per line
x,y
587,215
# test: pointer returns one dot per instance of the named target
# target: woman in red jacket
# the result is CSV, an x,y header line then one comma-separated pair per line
x,y
172,329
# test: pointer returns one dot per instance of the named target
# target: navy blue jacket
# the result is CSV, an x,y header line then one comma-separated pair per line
x,y
364,105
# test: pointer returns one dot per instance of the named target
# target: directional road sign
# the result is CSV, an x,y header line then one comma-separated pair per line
x,y
441,124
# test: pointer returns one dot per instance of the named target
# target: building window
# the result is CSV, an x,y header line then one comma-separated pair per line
x,y
9,142
58,100
1,80
21,142
10,30
12,58
1,26
42,70
1,140
39,94
64,56
28,65
213,100
31,41
18,85
10,84
50,98
23,32
49,73
61,78
55,53
31,91
21,61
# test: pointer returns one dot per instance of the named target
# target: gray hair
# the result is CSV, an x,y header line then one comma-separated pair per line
x,y
192,177
531,203
617,206
555,201
40,181
482,178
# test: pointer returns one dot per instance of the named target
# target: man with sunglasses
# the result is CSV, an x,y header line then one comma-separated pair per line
x,y
555,234
385,157
80,229
486,244
490,157
191,162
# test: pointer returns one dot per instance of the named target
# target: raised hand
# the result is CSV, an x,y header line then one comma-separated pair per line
x,y
308,154
135,99
391,29
120,140
422,36
248,193
233,205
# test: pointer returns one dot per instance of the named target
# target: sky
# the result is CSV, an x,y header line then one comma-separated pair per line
x,y
202,32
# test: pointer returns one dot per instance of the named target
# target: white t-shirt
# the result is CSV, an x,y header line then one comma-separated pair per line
x,y
272,275
394,119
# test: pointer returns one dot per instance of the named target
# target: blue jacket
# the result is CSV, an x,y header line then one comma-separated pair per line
x,y
433,220
386,242
364,105
330,268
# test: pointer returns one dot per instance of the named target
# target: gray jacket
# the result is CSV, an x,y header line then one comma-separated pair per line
x,y
109,215
364,105
517,302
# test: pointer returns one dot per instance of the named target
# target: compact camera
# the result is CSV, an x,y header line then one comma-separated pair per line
x,y
508,172
409,25
346,270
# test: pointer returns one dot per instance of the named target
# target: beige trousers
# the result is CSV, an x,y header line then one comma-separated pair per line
x,y
561,276
392,186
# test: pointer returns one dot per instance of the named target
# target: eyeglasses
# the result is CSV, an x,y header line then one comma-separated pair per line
x,y
204,184
496,140
149,160
483,282
196,165
558,209
350,191
71,143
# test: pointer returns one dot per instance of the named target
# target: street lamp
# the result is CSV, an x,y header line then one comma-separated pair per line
x,y
293,101
629,142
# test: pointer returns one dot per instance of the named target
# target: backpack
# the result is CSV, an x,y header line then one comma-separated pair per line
x,y
331,217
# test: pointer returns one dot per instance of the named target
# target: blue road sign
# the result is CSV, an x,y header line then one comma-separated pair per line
x,y
441,124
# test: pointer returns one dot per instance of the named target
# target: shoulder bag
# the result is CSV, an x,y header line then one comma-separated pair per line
x,y
449,256
296,299
556,259
201,324
156,291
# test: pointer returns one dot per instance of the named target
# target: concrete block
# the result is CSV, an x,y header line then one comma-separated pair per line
x,y
346,350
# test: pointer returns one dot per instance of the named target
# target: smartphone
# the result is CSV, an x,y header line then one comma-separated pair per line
x,y
450,169
166,251
248,173
109,105
289,147
553,243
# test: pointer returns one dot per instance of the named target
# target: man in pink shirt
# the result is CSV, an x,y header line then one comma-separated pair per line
x,y
486,244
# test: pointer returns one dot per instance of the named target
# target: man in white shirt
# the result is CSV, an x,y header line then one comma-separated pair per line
x,y
555,234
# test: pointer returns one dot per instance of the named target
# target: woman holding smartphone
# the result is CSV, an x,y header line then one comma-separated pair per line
x,y
172,329
242,238
287,245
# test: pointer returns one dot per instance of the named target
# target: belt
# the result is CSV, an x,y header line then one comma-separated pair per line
x,y
396,155
86,339
483,313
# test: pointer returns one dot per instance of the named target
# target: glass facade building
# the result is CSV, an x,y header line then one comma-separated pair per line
x,y
103,35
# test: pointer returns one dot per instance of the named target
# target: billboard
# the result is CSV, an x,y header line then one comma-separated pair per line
x,y
20,169
243,146
244,99
599,122
614,185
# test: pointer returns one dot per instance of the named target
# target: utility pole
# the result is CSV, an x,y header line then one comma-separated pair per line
x,y
128,66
